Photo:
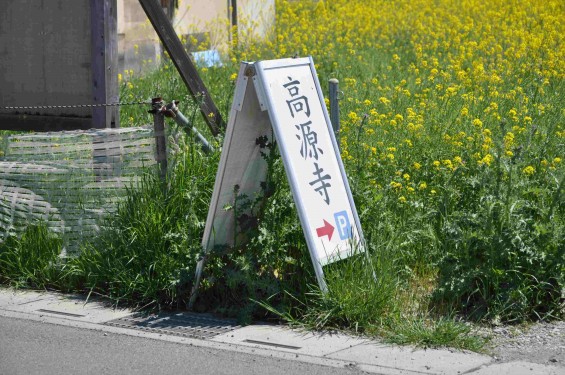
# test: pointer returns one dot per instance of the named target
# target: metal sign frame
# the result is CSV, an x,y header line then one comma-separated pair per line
x,y
255,113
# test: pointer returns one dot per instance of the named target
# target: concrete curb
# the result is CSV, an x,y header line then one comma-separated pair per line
x,y
335,350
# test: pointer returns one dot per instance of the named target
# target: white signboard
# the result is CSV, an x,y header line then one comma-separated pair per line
x,y
311,158
286,96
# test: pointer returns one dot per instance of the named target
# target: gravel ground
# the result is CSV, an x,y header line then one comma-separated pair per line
x,y
542,343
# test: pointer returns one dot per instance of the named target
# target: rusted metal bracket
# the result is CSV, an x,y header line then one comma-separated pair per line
x,y
161,110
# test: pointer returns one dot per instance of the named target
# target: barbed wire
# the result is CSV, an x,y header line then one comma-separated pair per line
x,y
74,105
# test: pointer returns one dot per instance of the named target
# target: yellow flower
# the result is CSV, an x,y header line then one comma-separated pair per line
x,y
406,176
557,160
529,170
353,116
451,91
448,164
384,100
402,199
396,185
423,186
417,165
486,160
477,123
509,140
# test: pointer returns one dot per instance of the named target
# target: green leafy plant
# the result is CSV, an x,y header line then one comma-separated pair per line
x,y
504,254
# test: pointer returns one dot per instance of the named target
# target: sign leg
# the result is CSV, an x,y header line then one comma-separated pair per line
x,y
320,276
197,278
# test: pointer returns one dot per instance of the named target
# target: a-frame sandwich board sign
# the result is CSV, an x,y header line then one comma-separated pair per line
x,y
284,97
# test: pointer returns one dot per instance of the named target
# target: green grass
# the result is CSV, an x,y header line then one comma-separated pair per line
x,y
31,260
147,253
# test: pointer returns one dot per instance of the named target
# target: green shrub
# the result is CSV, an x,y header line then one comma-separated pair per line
x,y
502,237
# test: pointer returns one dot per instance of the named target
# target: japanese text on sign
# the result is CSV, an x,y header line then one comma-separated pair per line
x,y
300,111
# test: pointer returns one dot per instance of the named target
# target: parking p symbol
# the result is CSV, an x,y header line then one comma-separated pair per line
x,y
343,225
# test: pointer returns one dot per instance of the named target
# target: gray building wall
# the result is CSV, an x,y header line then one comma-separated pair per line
x,y
45,54
58,53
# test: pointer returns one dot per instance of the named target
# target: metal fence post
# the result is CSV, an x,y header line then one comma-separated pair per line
x,y
334,106
157,105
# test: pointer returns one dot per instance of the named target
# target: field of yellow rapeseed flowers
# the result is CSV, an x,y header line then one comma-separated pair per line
x,y
453,135
465,76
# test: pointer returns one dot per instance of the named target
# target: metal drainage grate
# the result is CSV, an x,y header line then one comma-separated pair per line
x,y
200,326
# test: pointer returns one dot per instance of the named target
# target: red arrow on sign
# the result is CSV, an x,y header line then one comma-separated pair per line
x,y
326,230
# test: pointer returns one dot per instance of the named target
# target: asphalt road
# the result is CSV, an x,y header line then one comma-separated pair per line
x,y
29,347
